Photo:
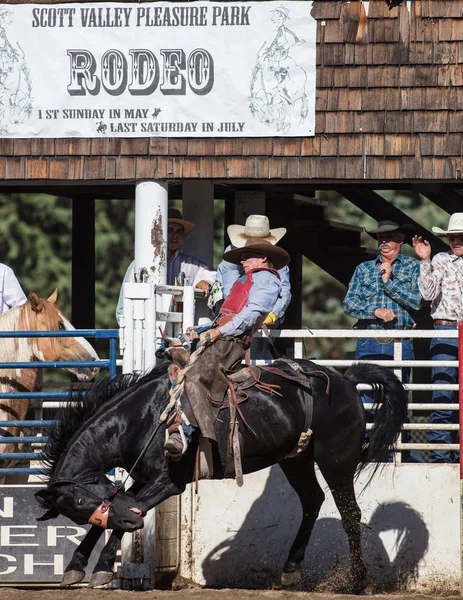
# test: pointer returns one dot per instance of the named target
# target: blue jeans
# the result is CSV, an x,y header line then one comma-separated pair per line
x,y
444,349
369,349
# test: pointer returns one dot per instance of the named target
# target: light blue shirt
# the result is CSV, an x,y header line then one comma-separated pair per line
x,y
228,273
265,289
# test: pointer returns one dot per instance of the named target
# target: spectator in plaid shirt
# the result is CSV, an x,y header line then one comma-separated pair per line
x,y
383,294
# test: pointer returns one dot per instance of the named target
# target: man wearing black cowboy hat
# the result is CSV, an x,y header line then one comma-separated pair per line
x,y
383,294
249,302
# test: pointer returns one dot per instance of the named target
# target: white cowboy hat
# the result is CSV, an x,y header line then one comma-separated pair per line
x,y
256,226
175,216
455,226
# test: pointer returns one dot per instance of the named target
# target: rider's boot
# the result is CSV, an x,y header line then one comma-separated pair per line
x,y
176,444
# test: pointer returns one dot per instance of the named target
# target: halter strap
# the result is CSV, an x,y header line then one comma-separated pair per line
x,y
100,515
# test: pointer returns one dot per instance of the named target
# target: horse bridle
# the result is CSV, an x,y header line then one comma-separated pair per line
x,y
100,515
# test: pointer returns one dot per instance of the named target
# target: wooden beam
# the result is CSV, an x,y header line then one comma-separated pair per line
x,y
380,209
448,200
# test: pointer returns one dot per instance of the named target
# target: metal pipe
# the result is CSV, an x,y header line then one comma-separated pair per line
x,y
54,365
356,333
112,357
188,306
27,439
127,360
96,333
460,422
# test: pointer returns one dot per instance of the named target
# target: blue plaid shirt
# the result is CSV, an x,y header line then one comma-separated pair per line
x,y
367,292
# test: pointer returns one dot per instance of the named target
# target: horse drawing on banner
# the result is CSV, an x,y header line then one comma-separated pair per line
x,y
119,424
278,83
15,80
35,315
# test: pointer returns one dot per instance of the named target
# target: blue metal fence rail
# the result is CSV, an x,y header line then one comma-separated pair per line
x,y
110,334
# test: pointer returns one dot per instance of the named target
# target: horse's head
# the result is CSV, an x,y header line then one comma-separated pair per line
x,y
44,315
93,499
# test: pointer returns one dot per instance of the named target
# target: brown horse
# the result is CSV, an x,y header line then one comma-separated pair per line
x,y
36,315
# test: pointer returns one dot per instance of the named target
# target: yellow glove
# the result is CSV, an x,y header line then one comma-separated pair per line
x,y
270,319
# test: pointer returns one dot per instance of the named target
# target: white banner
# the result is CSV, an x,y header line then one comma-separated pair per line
x,y
186,69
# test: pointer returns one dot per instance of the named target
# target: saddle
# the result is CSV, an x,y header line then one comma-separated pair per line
x,y
239,381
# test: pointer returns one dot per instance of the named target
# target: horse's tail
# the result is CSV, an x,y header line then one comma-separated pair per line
x,y
390,409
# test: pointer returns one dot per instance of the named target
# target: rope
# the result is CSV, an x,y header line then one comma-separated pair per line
x,y
178,384
175,394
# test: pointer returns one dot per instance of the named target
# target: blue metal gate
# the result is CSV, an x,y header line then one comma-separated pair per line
x,y
31,552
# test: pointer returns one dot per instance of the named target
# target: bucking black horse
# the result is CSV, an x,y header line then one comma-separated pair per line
x,y
112,427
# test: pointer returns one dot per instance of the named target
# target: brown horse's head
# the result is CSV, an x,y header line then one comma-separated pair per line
x,y
44,315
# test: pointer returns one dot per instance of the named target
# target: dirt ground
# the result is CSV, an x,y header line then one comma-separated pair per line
x,y
190,594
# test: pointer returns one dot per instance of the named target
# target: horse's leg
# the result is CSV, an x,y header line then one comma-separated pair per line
x,y
152,493
103,571
300,473
341,482
75,571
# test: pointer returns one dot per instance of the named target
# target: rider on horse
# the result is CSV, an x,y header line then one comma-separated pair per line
x,y
251,298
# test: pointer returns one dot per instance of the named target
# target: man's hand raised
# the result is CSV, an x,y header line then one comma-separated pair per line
x,y
421,247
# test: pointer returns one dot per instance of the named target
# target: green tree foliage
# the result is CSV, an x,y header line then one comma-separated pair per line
x,y
114,251
35,241
36,236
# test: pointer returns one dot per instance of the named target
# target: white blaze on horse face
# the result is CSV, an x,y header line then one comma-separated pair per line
x,y
84,373
82,341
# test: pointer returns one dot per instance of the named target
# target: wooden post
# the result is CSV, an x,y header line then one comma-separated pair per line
x,y
198,207
83,263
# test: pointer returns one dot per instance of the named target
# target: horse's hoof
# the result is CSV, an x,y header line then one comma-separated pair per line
x,y
290,578
71,577
358,586
100,578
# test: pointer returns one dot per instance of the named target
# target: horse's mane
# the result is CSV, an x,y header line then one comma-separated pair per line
x,y
23,318
79,410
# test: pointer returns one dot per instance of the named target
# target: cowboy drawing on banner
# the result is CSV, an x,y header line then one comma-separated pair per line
x,y
15,81
278,83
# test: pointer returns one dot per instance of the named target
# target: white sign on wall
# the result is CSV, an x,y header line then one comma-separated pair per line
x,y
186,69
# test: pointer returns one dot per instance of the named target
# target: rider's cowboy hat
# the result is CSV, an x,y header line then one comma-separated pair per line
x,y
256,226
175,216
455,226
278,256
386,226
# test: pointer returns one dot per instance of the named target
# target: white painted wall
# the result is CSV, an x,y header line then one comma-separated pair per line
x,y
241,537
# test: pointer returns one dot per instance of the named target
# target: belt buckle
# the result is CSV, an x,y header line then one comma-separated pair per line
x,y
384,340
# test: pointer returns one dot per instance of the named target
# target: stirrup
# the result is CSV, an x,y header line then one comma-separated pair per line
x,y
184,443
